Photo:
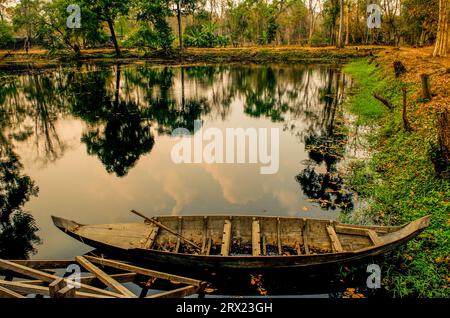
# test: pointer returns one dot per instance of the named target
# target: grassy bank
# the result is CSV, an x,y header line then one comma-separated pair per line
x,y
400,183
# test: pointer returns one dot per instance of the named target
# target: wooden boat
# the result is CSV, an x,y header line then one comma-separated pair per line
x,y
242,242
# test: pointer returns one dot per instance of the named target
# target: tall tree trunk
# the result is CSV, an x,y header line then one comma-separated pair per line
x,y
180,34
442,38
113,36
347,25
341,25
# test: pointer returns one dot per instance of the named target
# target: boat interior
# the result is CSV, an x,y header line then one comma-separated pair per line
x,y
238,235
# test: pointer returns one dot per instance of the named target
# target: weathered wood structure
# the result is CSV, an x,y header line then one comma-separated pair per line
x,y
38,277
241,242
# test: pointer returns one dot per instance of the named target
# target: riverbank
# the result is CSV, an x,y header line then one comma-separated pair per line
x,y
400,181
37,59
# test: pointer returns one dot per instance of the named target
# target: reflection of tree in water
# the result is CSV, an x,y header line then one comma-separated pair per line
x,y
30,107
118,134
326,147
17,227
120,144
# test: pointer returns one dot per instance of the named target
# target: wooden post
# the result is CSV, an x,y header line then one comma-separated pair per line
x,y
425,79
406,125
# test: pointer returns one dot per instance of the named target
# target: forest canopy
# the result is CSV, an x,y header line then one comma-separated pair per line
x,y
168,24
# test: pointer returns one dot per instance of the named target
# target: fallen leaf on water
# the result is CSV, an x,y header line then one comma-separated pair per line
x,y
305,208
210,290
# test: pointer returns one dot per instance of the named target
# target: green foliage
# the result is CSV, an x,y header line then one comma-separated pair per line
x,y
203,36
53,33
26,17
400,183
363,103
145,37
153,30
6,34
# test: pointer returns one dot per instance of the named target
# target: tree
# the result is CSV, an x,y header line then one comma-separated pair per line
x,y
6,34
153,31
441,46
26,17
182,7
108,11
341,25
54,33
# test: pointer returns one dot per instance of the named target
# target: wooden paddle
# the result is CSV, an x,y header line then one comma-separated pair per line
x,y
167,229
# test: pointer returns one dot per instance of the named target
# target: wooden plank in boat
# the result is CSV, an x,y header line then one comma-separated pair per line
x,y
105,278
151,238
280,249
7,265
6,293
335,243
129,235
256,238
180,225
177,293
226,238
144,271
205,235
352,230
305,234
374,237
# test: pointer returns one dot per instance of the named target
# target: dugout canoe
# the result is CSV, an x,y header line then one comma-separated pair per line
x,y
242,242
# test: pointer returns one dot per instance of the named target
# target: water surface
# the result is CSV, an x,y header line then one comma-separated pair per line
x,y
91,143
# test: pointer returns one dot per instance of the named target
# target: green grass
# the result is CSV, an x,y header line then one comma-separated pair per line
x,y
368,79
400,183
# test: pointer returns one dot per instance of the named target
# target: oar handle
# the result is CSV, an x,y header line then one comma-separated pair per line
x,y
166,228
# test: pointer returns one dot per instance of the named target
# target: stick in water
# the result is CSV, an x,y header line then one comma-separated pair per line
x,y
166,228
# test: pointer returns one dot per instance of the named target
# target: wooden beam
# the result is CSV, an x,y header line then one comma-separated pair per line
x,y
144,271
105,278
280,248
256,238
121,278
205,235
66,292
40,290
349,229
151,238
305,236
167,229
44,264
180,228
6,293
335,243
374,237
226,238
264,245
59,289
297,247
37,274
177,293
208,246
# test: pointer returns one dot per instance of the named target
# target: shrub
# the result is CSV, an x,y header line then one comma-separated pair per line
x,y
6,34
